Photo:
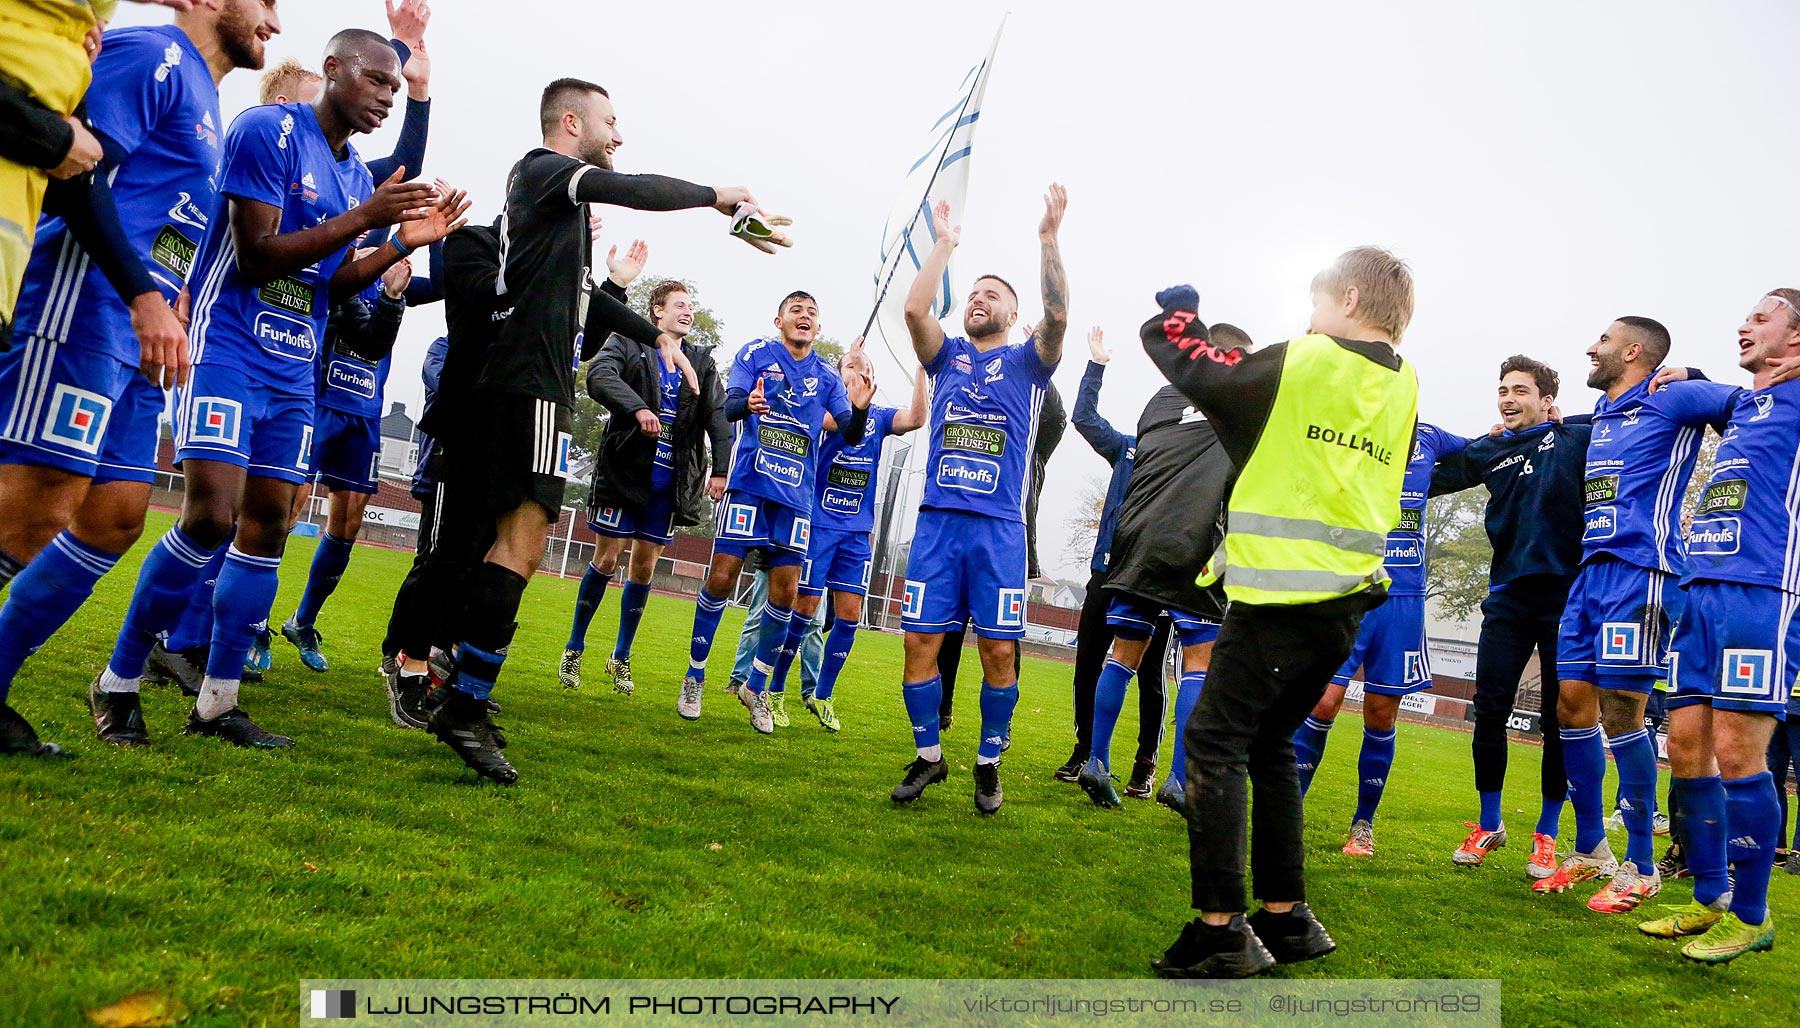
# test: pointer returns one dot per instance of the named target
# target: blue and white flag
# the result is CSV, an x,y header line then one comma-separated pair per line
x,y
940,172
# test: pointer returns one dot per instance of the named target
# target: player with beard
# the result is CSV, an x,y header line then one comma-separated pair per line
x,y
81,395
969,552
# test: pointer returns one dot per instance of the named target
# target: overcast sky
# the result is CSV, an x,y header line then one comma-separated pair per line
x,y
1544,167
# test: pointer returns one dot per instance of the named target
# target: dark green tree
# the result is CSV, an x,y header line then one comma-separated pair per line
x,y
1456,545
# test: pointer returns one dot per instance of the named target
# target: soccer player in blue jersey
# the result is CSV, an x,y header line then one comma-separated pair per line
x,y
1737,647
1390,650
1625,600
968,552
81,393
838,556
293,199
780,391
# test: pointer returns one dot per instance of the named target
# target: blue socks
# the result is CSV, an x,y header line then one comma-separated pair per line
x,y
837,650
587,602
241,604
632,599
1309,749
1635,758
798,625
1187,693
1490,811
1702,805
1584,760
1109,699
170,573
922,699
708,609
997,703
44,597
769,644
1372,770
328,564
196,624
1549,816
476,670
1753,814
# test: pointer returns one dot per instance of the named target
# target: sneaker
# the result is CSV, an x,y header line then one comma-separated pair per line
x,y
1143,780
1292,937
1097,782
18,738
1071,771
807,692
406,699
1362,840
1673,865
1659,823
1479,844
1543,856
734,685
988,794
1781,856
261,657
471,735
1579,867
1731,938
919,774
569,671
185,668
1174,796
1690,918
757,703
620,670
1793,863
1615,822
826,712
1627,889
390,665
118,716
1215,951
306,639
693,690
235,727
778,709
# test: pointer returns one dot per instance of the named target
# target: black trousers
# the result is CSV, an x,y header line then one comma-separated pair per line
x,y
1525,615
429,600
1269,667
1093,643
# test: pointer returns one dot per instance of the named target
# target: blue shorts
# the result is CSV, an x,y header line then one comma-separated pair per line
x,y
654,522
1390,649
1737,648
1616,625
965,567
837,560
1133,618
346,451
223,416
749,523
77,409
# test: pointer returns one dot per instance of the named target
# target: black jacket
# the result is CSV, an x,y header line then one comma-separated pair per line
x,y
624,377
1534,481
1171,520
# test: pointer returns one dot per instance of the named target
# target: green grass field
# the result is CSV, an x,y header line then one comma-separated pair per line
x,y
640,845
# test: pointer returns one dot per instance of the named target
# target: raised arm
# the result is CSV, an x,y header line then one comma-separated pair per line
x,y
914,417
1106,440
921,320
1056,280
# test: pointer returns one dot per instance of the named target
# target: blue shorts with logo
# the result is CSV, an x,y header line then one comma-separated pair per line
x,y
346,451
966,567
749,523
1616,625
1390,649
837,560
79,409
224,416
654,522
1737,648
1133,618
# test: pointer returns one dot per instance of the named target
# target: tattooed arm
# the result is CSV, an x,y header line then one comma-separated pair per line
x,y
1056,280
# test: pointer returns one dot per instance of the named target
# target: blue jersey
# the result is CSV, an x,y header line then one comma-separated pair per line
x,y
155,99
1405,562
662,466
1747,526
848,476
353,386
984,416
275,155
1639,460
777,454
